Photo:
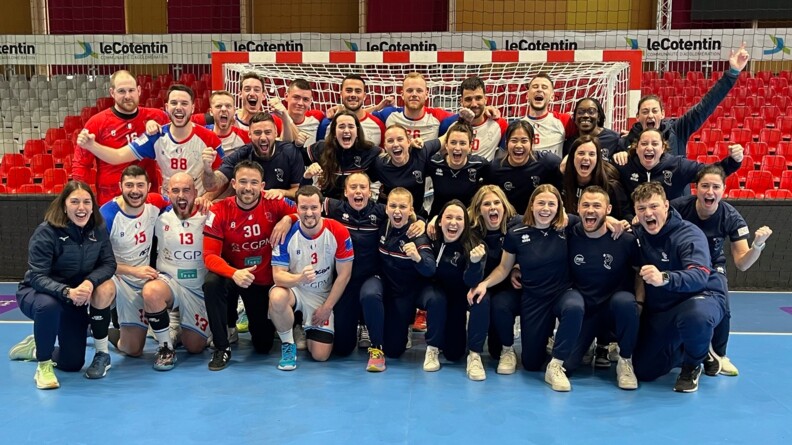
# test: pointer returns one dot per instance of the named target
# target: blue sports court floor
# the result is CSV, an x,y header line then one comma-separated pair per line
x,y
339,403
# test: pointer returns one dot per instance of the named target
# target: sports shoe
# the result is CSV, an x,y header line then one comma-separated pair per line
x,y
550,345
588,356
99,366
508,361
712,364
625,375
220,359
432,359
475,369
517,329
420,321
299,338
554,375
364,341
601,360
243,325
45,376
728,368
24,350
288,361
165,358
409,339
613,352
233,335
376,361
688,379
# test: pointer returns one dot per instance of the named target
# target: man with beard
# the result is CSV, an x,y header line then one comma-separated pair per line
x,y
353,97
419,120
282,162
550,127
487,132
299,97
179,233
116,127
303,267
685,299
180,146
603,271
130,219
222,109
238,236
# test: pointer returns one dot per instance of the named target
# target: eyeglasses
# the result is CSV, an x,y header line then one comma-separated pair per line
x,y
587,111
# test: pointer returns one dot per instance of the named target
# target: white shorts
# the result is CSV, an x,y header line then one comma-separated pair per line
x,y
190,303
308,302
129,304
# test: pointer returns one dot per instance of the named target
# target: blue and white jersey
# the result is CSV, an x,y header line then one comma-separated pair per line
x,y
180,248
130,236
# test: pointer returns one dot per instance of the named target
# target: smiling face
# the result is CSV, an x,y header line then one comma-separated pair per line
x,y
399,209
519,147
540,94
179,108
452,223
397,145
346,131
493,211
357,191
134,190
252,93
414,93
79,207
709,192
182,194
262,136
298,102
649,149
593,208
585,159
309,210
223,110
353,94
476,101
458,148
652,213
650,114
544,208
125,93
247,184
586,116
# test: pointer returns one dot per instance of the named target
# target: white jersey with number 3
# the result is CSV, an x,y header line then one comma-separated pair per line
x,y
180,249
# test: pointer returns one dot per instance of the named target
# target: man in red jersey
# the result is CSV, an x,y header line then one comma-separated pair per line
x,y
116,127
238,256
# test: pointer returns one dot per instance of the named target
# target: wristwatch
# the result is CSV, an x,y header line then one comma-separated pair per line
x,y
66,291
666,278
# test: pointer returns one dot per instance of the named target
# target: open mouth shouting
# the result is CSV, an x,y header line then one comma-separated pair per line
x,y
252,102
494,218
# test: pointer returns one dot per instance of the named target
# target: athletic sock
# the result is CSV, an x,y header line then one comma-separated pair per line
x,y
100,323
287,337
159,322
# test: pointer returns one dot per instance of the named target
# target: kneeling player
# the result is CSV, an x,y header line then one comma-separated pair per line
x,y
303,273
179,233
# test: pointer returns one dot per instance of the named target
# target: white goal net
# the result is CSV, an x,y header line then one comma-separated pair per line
x,y
506,82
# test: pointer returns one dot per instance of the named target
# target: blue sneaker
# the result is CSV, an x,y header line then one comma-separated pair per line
x,y
99,366
288,361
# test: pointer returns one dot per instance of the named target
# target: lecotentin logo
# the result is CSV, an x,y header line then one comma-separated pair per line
x,y
632,43
779,46
351,45
490,44
218,46
87,51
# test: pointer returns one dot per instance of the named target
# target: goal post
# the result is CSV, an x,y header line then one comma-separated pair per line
x,y
611,76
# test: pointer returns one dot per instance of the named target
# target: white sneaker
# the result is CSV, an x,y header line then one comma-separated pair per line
x,y
625,375
475,369
554,375
299,338
432,359
233,335
728,368
409,339
507,364
517,329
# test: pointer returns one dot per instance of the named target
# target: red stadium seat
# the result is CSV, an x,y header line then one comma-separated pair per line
x,y
753,85
32,148
674,102
693,76
784,125
778,194
9,161
707,159
103,103
757,149
770,113
154,102
715,75
779,83
740,94
760,182
742,194
740,136
746,167
765,76
732,183
711,135
670,76
53,177
695,149
17,177
716,113
782,102
785,75
785,149
71,123
721,149
739,112
786,180
728,103
62,149
754,123
30,188
53,134
165,80
772,136
726,124
39,164
86,114
755,103
3,188
775,165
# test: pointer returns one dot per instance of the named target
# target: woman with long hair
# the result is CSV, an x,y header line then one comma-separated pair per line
x,y
585,167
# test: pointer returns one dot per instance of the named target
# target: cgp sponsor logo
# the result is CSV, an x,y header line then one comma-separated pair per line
x,y
253,46
385,45
778,46
534,45
120,49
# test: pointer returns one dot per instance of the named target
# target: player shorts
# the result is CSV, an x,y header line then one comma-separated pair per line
x,y
129,304
308,302
192,308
